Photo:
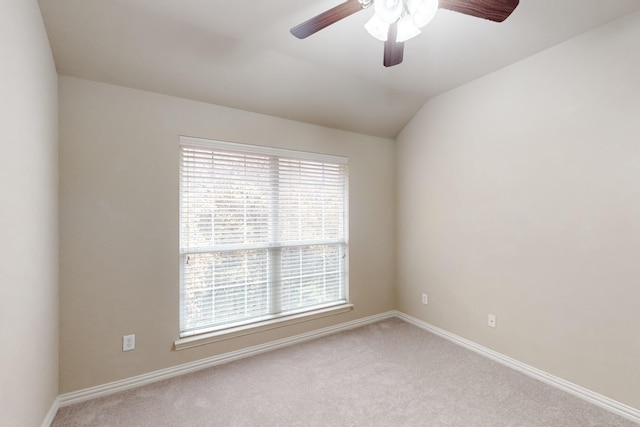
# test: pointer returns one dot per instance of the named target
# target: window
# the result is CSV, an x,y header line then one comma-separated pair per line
x,y
263,234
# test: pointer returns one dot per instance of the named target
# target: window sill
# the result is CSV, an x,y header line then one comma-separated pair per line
x,y
211,337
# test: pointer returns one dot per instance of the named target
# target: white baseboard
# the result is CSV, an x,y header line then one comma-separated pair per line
x,y
574,389
140,380
163,374
48,419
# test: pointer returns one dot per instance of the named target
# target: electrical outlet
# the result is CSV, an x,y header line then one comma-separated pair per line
x,y
491,320
128,342
425,299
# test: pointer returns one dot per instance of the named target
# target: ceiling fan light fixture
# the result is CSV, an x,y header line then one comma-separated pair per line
x,y
377,28
411,15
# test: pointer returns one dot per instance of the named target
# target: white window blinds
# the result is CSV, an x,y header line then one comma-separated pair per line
x,y
263,233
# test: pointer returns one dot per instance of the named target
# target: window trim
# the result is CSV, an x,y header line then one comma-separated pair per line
x,y
216,333
256,327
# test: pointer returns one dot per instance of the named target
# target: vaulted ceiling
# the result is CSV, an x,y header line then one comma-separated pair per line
x,y
240,54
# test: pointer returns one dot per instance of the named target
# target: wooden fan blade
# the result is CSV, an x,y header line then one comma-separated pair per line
x,y
327,18
493,10
393,50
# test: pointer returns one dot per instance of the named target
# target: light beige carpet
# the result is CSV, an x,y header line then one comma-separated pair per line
x,y
386,374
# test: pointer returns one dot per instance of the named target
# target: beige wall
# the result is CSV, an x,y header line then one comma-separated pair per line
x,y
119,224
28,217
519,195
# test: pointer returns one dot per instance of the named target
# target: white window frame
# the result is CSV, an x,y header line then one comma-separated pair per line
x,y
191,337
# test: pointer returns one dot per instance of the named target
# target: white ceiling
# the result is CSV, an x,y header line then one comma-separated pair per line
x,y
240,53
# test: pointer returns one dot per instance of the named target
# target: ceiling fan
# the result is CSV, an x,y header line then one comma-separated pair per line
x,y
396,21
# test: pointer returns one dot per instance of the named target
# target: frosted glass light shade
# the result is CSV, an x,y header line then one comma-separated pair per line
x,y
406,29
377,28
388,11
424,12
